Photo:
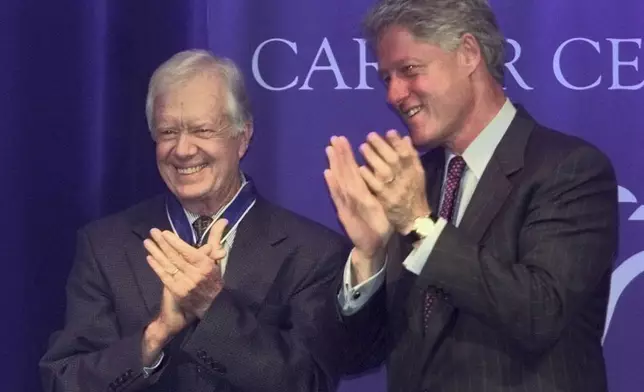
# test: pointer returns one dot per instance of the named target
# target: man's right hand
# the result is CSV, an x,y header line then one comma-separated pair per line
x,y
363,217
174,314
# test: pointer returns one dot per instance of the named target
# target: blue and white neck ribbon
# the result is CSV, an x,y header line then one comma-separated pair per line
x,y
233,212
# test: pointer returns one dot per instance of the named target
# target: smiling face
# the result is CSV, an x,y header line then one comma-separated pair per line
x,y
428,86
197,150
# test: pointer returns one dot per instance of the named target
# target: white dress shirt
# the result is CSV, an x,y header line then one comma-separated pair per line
x,y
476,156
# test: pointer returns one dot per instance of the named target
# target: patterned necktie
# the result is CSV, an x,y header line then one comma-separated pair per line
x,y
455,171
201,225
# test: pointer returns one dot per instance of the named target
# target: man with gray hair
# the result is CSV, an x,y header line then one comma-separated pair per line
x,y
206,288
485,263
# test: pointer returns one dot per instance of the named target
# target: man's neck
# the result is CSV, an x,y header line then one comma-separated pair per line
x,y
484,108
209,206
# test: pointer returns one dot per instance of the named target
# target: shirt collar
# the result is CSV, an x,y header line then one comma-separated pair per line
x,y
479,152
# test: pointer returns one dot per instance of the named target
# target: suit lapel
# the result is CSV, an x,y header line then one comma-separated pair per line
x,y
257,253
153,215
495,185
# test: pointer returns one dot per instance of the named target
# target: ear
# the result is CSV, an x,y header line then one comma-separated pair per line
x,y
244,139
469,53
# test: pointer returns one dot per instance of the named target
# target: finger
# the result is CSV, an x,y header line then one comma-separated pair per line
x,y
187,252
216,233
346,165
213,253
384,149
154,251
205,248
380,168
173,255
339,190
168,250
331,157
197,262
169,281
334,189
218,254
373,183
403,146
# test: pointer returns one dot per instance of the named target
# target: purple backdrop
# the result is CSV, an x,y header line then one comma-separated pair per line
x,y
575,67
74,144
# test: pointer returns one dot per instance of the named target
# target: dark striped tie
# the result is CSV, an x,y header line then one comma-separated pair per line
x,y
450,194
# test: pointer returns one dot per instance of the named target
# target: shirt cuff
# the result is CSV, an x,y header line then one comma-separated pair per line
x,y
352,299
147,371
416,260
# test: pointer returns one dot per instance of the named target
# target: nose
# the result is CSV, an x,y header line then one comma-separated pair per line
x,y
184,148
397,91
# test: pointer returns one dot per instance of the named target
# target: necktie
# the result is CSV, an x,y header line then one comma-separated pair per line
x,y
455,170
201,225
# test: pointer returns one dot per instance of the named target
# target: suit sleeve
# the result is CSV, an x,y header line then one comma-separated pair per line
x,y
566,245
367,328
89,353
254,353
365,331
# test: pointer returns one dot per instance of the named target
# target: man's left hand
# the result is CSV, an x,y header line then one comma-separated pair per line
x,y
396,176
192,275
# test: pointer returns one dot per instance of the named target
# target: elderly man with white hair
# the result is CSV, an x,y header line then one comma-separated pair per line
x,y
209,286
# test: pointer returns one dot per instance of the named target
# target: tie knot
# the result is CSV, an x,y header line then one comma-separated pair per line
x,y
456,167
201,226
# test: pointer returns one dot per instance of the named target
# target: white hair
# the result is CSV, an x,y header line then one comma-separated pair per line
x,y
190,63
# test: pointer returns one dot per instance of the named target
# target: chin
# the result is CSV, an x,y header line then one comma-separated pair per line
x,y
190,192
422,138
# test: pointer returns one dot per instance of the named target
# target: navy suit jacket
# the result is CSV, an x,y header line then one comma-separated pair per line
x,y
522,282
272,328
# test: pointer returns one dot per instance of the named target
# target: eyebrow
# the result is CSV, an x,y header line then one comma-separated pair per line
x,y
400,63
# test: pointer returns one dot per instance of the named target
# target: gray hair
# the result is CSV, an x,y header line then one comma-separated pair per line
x,y
190,63
443,22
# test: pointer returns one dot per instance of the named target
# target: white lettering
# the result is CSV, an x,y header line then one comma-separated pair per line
x,y
556,65
333,67
510,65
364,64
255,65
617,63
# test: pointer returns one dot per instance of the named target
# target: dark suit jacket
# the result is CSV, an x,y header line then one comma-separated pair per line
x,y
523,281
272,328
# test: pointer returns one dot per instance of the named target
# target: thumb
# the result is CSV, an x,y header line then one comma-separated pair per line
x,y
216,233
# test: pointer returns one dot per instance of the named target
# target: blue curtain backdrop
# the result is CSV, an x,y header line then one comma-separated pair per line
x,y
74,147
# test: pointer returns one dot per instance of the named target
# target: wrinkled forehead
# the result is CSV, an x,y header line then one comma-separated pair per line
x,y
196,100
